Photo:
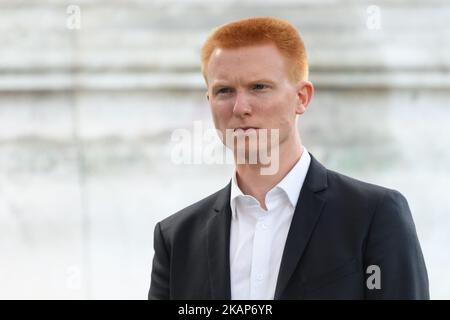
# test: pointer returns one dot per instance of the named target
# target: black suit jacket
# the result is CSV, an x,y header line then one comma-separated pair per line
x,y
340,227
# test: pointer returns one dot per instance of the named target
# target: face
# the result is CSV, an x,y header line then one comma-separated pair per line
x,y
249,89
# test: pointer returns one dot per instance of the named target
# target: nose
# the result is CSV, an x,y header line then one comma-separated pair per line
x,y
241,105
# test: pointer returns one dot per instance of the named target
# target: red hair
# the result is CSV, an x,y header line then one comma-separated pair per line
x,y
258,31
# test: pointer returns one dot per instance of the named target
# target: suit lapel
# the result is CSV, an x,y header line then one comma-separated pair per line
x,y
307,212
218,244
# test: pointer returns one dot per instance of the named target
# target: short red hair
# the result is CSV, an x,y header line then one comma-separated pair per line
x,y
258,31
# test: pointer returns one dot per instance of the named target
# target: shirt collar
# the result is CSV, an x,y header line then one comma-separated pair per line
x,y
291,184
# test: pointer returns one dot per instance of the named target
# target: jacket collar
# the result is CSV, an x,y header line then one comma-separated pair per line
x,y
307,212
218,246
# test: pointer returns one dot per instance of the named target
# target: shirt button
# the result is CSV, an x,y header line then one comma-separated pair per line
x,y
259,276
261,225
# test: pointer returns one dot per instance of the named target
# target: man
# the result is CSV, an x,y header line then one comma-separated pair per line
x,y
300,232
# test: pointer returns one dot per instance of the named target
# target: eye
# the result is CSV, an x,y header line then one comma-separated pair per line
x,y
259,86
223,90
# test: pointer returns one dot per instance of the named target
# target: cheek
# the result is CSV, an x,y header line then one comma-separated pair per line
x,y
221,115
283,110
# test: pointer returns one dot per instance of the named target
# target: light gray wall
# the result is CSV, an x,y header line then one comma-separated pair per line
x,y
86,117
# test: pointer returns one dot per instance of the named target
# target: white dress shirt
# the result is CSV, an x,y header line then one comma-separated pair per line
x,y
258,236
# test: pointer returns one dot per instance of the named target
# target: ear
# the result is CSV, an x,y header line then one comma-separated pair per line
x,y
207,95
305,91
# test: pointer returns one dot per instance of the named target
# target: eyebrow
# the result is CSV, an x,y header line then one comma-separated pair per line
x,y
262,80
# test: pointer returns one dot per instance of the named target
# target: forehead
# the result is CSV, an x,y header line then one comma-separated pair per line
x,y
246,63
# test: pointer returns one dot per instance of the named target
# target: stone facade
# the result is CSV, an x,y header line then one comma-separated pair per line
x,y
86,117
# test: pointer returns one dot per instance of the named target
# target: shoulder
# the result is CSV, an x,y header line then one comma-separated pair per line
x,y
344,185
195,214
381,201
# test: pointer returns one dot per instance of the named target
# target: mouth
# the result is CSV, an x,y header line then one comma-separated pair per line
x,y
245,129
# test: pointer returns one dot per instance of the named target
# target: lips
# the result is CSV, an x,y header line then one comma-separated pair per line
x,y
245,130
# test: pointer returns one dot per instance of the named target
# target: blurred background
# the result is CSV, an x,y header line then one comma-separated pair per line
x,y
91,92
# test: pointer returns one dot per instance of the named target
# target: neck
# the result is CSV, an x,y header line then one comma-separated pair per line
x,y
249,177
